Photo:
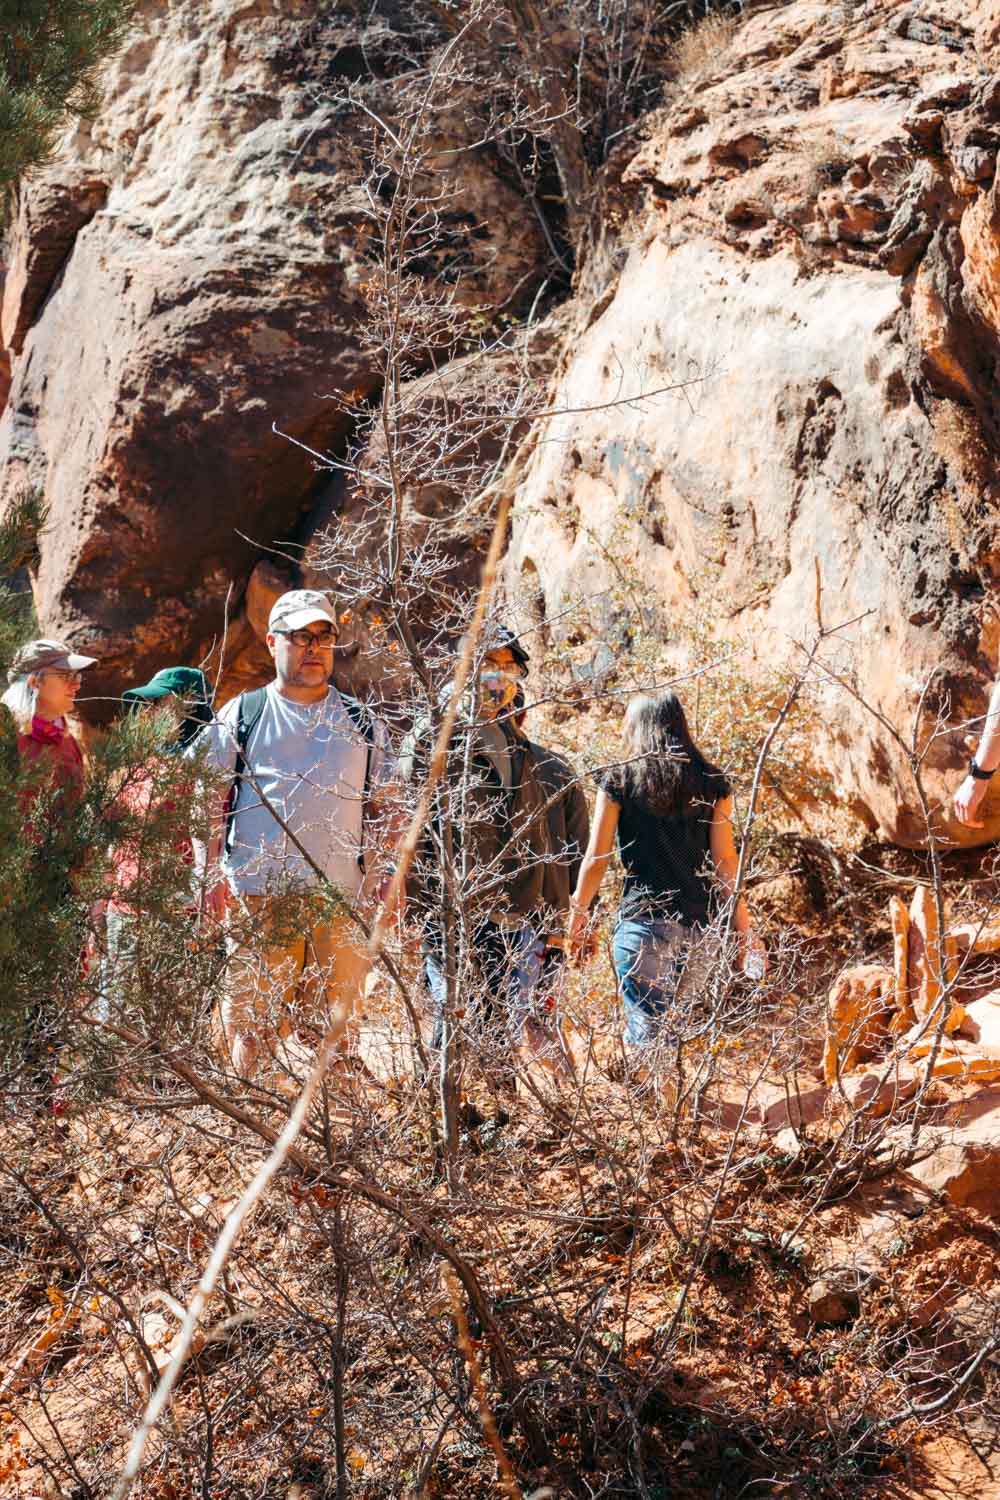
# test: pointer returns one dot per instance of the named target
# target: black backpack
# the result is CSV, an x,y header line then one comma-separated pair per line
x,y
251,706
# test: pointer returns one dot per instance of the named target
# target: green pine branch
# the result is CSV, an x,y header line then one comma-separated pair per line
x,y
51,52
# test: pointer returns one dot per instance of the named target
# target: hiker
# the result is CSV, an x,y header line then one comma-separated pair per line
x,y
670,811
45,679
306,765
520,828
982,767
181,697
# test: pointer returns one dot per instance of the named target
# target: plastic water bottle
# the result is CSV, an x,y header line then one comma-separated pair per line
x,y
753,965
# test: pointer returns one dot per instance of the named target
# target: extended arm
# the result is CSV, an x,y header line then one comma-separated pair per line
x,y
595,863
214,752
973,789
727,862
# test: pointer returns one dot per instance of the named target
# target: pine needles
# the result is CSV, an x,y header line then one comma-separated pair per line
x,y
50,55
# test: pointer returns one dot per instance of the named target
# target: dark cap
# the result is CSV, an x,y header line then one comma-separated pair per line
x,y
186,683
500,637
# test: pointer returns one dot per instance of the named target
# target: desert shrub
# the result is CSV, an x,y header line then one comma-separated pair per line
x,y
701,46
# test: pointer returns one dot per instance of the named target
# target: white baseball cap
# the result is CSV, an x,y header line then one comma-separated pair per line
x,y
300,607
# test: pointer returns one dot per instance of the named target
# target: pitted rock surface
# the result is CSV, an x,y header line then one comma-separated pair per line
x,y
185,276
812,251
815,257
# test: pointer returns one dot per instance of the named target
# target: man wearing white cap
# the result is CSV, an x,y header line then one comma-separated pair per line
x,y
305,761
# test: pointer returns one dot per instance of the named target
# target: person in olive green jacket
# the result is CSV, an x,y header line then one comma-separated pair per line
x,y
517,820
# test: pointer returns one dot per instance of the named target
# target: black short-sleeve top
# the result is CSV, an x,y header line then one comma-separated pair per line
x,y
666,859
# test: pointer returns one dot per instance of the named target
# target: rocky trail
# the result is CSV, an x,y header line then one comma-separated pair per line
x,y
835,1293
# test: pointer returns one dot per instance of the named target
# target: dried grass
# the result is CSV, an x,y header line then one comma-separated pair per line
x,y
701,47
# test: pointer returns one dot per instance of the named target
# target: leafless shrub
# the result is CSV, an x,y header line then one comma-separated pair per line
x,y
824,163
632,1250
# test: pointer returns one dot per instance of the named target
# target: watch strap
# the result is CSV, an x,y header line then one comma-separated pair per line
x,y
978,774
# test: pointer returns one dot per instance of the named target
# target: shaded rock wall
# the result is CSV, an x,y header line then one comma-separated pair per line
x,y
187,273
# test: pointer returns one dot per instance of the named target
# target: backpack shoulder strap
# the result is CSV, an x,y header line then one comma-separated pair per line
x,y
361,716
363,720
250,707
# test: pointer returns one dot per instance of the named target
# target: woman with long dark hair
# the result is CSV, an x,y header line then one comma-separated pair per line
x,y
670,811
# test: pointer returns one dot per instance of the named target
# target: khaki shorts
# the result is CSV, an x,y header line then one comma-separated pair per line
x,y
307,983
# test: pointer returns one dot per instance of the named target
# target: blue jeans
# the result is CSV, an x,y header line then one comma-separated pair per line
x,y
658,962
509,964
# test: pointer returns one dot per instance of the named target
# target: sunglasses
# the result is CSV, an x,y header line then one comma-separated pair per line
x,y
324,640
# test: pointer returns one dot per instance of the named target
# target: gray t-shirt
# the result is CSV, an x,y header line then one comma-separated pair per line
x,y
309,762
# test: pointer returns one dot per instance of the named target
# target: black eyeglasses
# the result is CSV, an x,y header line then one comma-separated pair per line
x,y
324,640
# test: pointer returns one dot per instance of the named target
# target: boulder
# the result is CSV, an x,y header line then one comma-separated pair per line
x,y
266,584
954,1056
899,919
858,1014
922,964
977,937
925,963
51,213
834,1298
188,275
981,1024
962,1157
881,1089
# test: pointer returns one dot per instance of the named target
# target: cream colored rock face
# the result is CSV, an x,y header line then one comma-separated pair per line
x,y
798,266
740,482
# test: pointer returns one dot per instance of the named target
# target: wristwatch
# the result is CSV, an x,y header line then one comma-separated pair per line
x,y
978,774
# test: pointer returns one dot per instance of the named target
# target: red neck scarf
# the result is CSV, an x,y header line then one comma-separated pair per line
x,y
49,731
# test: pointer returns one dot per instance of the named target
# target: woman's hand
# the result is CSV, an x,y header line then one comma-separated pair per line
x,y
580,943
967,802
